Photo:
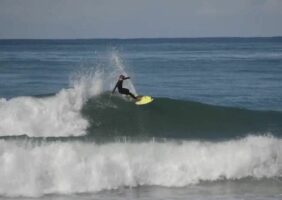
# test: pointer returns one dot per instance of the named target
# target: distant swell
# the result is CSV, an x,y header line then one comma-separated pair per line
x,y
28,169
168,118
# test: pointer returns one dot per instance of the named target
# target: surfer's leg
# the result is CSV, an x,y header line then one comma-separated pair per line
x,y
134,97
126,91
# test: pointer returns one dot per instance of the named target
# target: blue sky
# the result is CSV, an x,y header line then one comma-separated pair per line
x,y
139,18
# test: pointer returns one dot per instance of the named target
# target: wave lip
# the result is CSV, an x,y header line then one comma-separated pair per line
x,y
79,167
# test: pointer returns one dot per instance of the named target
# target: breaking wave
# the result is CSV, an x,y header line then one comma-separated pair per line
x,y
29,169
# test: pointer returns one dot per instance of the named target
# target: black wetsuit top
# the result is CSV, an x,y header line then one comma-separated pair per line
x,y
122,90
119,85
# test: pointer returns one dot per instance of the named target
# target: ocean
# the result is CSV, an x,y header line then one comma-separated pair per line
x,y
213,131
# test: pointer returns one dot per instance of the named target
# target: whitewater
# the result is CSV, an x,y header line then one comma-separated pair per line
x,y
28,169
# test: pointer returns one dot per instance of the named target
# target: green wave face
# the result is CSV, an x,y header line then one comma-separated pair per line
x,y
167,118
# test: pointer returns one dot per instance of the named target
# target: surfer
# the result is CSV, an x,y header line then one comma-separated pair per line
x,y
122,90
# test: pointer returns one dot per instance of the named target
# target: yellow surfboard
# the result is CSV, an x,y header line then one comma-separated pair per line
x,y
144,100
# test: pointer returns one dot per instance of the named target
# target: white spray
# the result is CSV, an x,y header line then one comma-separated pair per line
x,y
58,115
118,64
78,167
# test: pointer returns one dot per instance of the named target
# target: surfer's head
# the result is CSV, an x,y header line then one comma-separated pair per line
x,y
121,77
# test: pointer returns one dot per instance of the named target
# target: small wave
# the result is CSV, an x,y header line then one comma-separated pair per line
x,y
169,118
28,169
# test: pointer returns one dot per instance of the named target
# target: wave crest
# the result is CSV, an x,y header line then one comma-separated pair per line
x,y
57,115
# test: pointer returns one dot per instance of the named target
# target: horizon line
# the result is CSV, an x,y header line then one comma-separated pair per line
x,y
147,38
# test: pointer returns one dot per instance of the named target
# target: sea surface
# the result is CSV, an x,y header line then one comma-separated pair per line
x,y
213,131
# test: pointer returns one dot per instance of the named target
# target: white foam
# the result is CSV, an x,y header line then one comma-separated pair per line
x,y
58,115
77,167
